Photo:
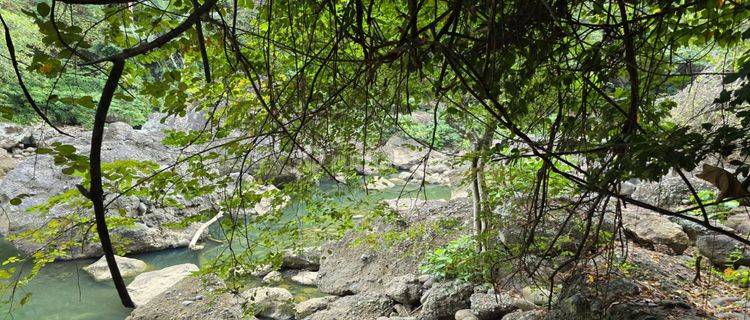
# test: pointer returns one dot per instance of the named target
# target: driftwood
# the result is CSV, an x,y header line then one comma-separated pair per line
x,y
194,241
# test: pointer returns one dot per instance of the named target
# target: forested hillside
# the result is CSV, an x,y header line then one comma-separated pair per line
x,y
62,95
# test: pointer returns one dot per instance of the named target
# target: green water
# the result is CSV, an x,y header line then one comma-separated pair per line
x,y
63,291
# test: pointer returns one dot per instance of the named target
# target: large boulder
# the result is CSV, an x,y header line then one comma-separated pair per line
x,y
270,302
487,306
669,192
37,179
148,285
304,277
583,300
273,277
129,267
157,123
310,306
307,258
11,135
404,289
694,229
465,314
524,315
445,298
739,220
722,250
652,229
403,153
362,262
191,298
360,307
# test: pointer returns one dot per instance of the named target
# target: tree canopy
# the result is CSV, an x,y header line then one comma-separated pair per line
x,y
573,94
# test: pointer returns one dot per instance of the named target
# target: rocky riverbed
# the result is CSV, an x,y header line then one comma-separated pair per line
x,y
374,274
369,275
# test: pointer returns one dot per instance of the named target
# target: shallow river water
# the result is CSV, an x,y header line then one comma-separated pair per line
x,y
63,291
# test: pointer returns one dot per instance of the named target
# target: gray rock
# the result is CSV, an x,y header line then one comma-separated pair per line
x,y
304,277
537,296
404,289
38,179
129,267
305,258
722,250
270,302
403,153
261,271
653,229
207,301
694,230
488,306
739,220
669,192
148,285
627,188
310,306
444,299
349,266
273,277
465,314
361,307
524,315
11,135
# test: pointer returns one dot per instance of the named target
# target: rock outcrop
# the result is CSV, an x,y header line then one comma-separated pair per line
x,y
36,179
444,299
669,192
129,267
723,250
651,229
191,298
359,263
148,285
270,302
361,307
310,306
14,136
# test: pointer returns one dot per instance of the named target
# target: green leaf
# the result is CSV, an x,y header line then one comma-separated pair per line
x,y
25,299
42,8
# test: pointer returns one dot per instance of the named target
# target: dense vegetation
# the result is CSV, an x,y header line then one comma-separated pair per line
x,y
554,104
66,97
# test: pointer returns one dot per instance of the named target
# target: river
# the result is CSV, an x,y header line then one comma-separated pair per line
x,y
62,291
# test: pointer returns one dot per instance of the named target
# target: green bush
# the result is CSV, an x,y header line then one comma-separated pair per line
x,y
81,83
458,259
445,135
720,211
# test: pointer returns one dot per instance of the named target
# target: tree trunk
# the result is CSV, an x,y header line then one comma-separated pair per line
x,y
480,197
96,193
